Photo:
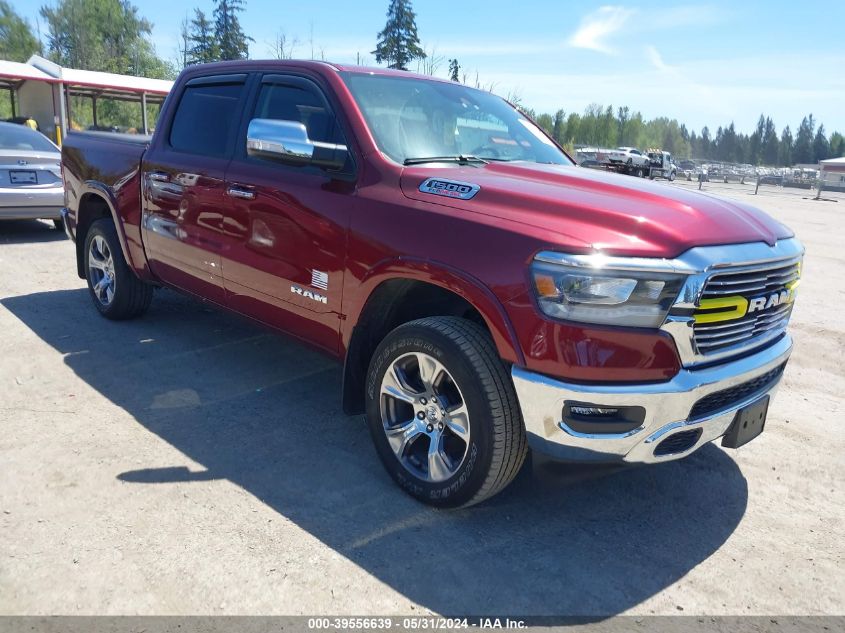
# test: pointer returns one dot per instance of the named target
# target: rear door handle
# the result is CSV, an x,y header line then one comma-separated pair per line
x,y
159,176
240,192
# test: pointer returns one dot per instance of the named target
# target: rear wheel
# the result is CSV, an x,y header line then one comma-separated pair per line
x,y
115,290
443,413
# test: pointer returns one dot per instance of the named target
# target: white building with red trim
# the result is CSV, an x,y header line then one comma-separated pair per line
x,y
42,90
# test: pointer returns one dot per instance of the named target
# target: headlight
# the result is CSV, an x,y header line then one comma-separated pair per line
x,y
592,293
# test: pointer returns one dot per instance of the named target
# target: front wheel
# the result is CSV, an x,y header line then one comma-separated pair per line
x,y
443,413
115,290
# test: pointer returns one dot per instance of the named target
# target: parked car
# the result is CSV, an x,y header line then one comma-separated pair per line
x,y
484,293
30,175
628,160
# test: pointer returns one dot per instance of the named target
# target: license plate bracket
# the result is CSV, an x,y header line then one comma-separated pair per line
x,y
18,177
748,423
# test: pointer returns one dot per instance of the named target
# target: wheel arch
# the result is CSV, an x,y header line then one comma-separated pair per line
x,y
406,290
96,202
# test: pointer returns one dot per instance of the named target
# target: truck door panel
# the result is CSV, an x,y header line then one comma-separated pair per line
x,y
184,188
285,228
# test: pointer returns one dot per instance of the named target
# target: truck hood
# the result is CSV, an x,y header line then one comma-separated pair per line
x,y
583,208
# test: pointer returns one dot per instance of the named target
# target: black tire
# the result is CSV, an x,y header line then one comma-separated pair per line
x,y
497,444
131,297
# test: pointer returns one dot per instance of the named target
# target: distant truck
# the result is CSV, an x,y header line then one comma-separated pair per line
x,y
661,165
484,294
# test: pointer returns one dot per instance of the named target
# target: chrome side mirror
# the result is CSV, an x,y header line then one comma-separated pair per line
x,y
288,142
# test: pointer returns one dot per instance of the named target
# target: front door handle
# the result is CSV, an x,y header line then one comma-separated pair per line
x,y
240,192
159,176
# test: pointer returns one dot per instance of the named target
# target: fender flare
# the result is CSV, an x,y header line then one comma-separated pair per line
x,y
104,192
444,276
470,288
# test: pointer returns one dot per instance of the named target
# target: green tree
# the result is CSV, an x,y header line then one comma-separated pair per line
x,y
105,35
770,143
573,128
203,43
622,116
706,143
803,150
821,146
785,148
17,41
837,145
454,70
398,43
559,127
232,42
755,147
546,122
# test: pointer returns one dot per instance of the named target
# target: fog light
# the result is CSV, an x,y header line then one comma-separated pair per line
x,y
593,411
595,419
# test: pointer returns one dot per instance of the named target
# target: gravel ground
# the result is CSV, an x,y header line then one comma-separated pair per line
x,y
191,463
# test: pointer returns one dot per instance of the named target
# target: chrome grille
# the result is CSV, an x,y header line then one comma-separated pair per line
x,y
749,283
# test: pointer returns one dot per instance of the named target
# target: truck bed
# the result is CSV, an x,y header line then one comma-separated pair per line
x,y
113,162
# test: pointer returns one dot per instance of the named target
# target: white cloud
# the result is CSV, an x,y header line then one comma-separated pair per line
x,y
596,27
655,59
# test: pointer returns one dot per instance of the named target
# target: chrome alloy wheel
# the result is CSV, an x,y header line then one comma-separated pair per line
x,y
101,270
425,416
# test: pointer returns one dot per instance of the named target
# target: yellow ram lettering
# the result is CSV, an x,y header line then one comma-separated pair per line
x,y
730,308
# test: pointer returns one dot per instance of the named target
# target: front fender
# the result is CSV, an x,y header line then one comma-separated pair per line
x,y
447,277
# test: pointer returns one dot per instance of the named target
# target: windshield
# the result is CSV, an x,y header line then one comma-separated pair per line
x,y
414,118
14,136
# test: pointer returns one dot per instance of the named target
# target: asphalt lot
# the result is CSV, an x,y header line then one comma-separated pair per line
x,y
191,463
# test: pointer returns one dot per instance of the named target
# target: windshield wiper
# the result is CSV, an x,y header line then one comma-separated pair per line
x,y
461,159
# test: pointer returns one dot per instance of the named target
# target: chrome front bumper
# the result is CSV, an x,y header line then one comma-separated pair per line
x,y
667,408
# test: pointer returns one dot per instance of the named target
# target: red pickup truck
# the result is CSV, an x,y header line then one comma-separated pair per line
x,y
485,294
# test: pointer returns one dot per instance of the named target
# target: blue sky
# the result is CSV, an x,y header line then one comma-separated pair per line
x,y
702,63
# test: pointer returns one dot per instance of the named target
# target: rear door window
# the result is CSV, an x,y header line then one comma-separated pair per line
x,y
206,118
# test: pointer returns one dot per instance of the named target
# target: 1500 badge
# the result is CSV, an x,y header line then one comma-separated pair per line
x,y
449,188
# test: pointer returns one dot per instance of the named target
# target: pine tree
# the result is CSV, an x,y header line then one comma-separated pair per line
x,y
755,144
204,48
706,143
232,42
559,127
398,44
770,143
785,149
623,115
803,150
837,145
454,70
821,146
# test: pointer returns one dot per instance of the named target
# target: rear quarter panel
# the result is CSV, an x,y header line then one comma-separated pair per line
x,y
106,166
